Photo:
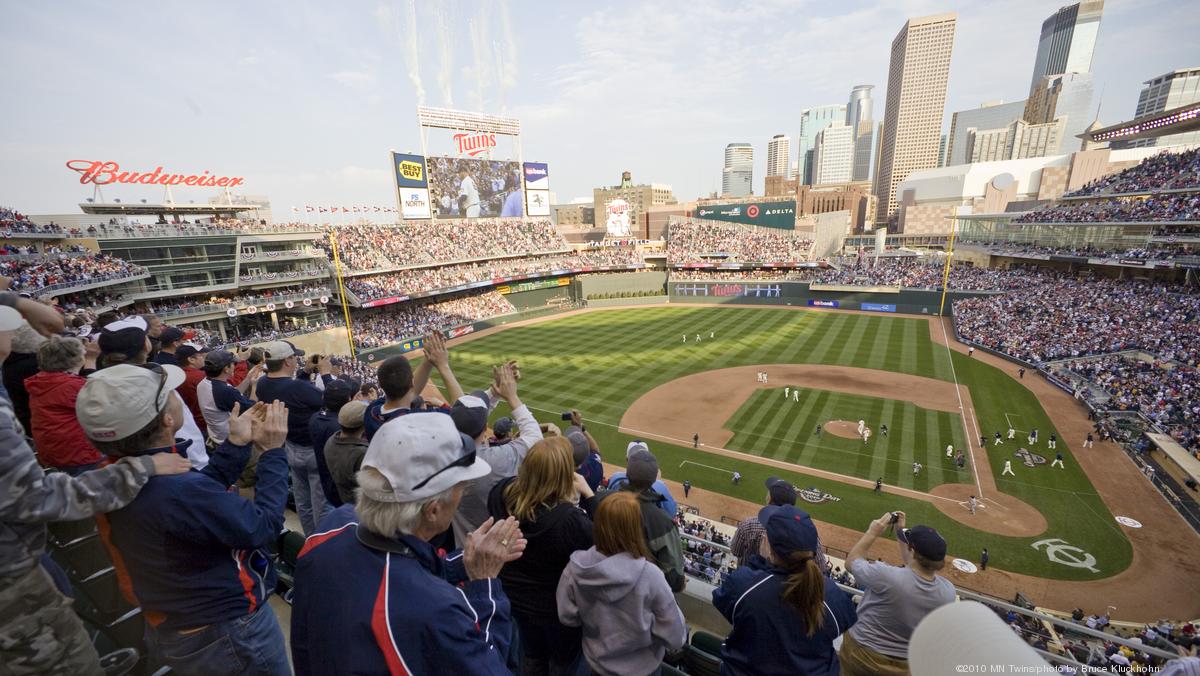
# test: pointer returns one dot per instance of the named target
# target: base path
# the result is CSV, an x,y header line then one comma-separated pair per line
x,y
701,403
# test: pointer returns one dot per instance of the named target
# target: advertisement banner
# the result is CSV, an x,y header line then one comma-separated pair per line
x,y
537,202
537,176
414,203
878,307
813,302
781,214
617,218
1132,261
467,188
460,331
409,171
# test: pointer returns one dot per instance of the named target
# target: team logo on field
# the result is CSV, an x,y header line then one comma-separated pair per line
x,y
1060,551
1030,459
816,495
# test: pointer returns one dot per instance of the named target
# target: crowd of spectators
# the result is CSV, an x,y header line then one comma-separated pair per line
x,y
423,280
262,297
1165,171
1162,207
389,325
380,247
1091,252
700,241
1166,393
55,270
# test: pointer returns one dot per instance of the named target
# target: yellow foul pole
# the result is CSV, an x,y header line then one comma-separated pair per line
x,y
946,271
337,266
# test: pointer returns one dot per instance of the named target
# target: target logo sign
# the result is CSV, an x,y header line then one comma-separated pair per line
x,y
752,211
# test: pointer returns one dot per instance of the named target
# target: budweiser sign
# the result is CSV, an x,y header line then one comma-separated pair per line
x,y
104,173
473,144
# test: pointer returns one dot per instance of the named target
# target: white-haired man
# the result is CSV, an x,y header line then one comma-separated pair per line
x,y
374,596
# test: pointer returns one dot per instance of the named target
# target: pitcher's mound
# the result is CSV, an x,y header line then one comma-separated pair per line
x,y
842,428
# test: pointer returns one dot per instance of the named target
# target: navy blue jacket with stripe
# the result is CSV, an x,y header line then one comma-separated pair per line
x,y
193,548
365,604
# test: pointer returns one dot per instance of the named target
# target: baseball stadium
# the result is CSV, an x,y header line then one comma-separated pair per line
x,y
1015,389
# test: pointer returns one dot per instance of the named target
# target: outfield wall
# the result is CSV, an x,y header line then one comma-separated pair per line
x,y
884,300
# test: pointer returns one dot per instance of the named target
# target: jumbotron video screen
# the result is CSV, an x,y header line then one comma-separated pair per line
x,y
470,188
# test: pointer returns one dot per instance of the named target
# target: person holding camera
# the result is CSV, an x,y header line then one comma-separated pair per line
x,y
895,599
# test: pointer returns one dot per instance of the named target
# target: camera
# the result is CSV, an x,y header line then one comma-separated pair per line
x,y
567,415
895,517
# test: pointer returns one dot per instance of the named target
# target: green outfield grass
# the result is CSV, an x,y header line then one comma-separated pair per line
x,y
773,426
601,362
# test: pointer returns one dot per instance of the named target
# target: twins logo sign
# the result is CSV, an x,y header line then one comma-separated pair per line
x,y
1059,551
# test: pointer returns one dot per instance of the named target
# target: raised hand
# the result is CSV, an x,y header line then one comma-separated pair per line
x,y
492,545
271,430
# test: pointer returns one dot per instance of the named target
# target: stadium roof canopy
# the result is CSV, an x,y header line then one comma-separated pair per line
x,y
139,209
1174,121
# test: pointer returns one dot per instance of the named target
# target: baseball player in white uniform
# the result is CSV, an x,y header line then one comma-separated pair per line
x,y
1012,433
866,435
468,190
787,392
1008,468
796,395
949,450
972,503
862,425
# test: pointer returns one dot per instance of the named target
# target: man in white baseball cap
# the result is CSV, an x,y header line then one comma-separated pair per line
x,y
195,552
30,604
410,485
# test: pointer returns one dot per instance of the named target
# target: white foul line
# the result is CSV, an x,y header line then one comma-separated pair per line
x,y
719,469
962,409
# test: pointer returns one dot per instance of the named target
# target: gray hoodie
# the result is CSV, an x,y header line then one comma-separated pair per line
x,y
627,611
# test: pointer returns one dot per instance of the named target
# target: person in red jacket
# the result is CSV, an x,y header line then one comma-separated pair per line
x,y
57,436
191,360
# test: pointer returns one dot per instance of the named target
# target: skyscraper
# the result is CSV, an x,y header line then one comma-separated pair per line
x,y
1065,98
1167,91
859,113
833,155
1067,42
991,115
813,120
737,178
779,155
916,100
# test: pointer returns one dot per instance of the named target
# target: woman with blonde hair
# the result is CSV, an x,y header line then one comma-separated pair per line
x,y
545,497
619,595
784,611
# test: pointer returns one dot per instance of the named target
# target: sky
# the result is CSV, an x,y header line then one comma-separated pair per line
x,y
304,99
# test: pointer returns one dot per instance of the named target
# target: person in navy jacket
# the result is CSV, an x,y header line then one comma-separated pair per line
x,y
785,613
374,597
195,551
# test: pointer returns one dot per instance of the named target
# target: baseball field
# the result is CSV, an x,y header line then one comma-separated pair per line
x,y
666,373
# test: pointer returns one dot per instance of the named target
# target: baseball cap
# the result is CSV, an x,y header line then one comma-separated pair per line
x,y
782,492
642,469
170,334
10,319
125,336
925,541
218,358
337,393
579,447
120,400
470,413
788,529
188,350
281,349
421,455
502,427
636,446
351,415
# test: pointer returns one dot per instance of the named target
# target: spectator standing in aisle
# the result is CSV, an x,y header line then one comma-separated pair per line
x,y
544,497
687,487
619,597
287,382
375,597
784,611
983,559
618,480
895,599
322,426
195,552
